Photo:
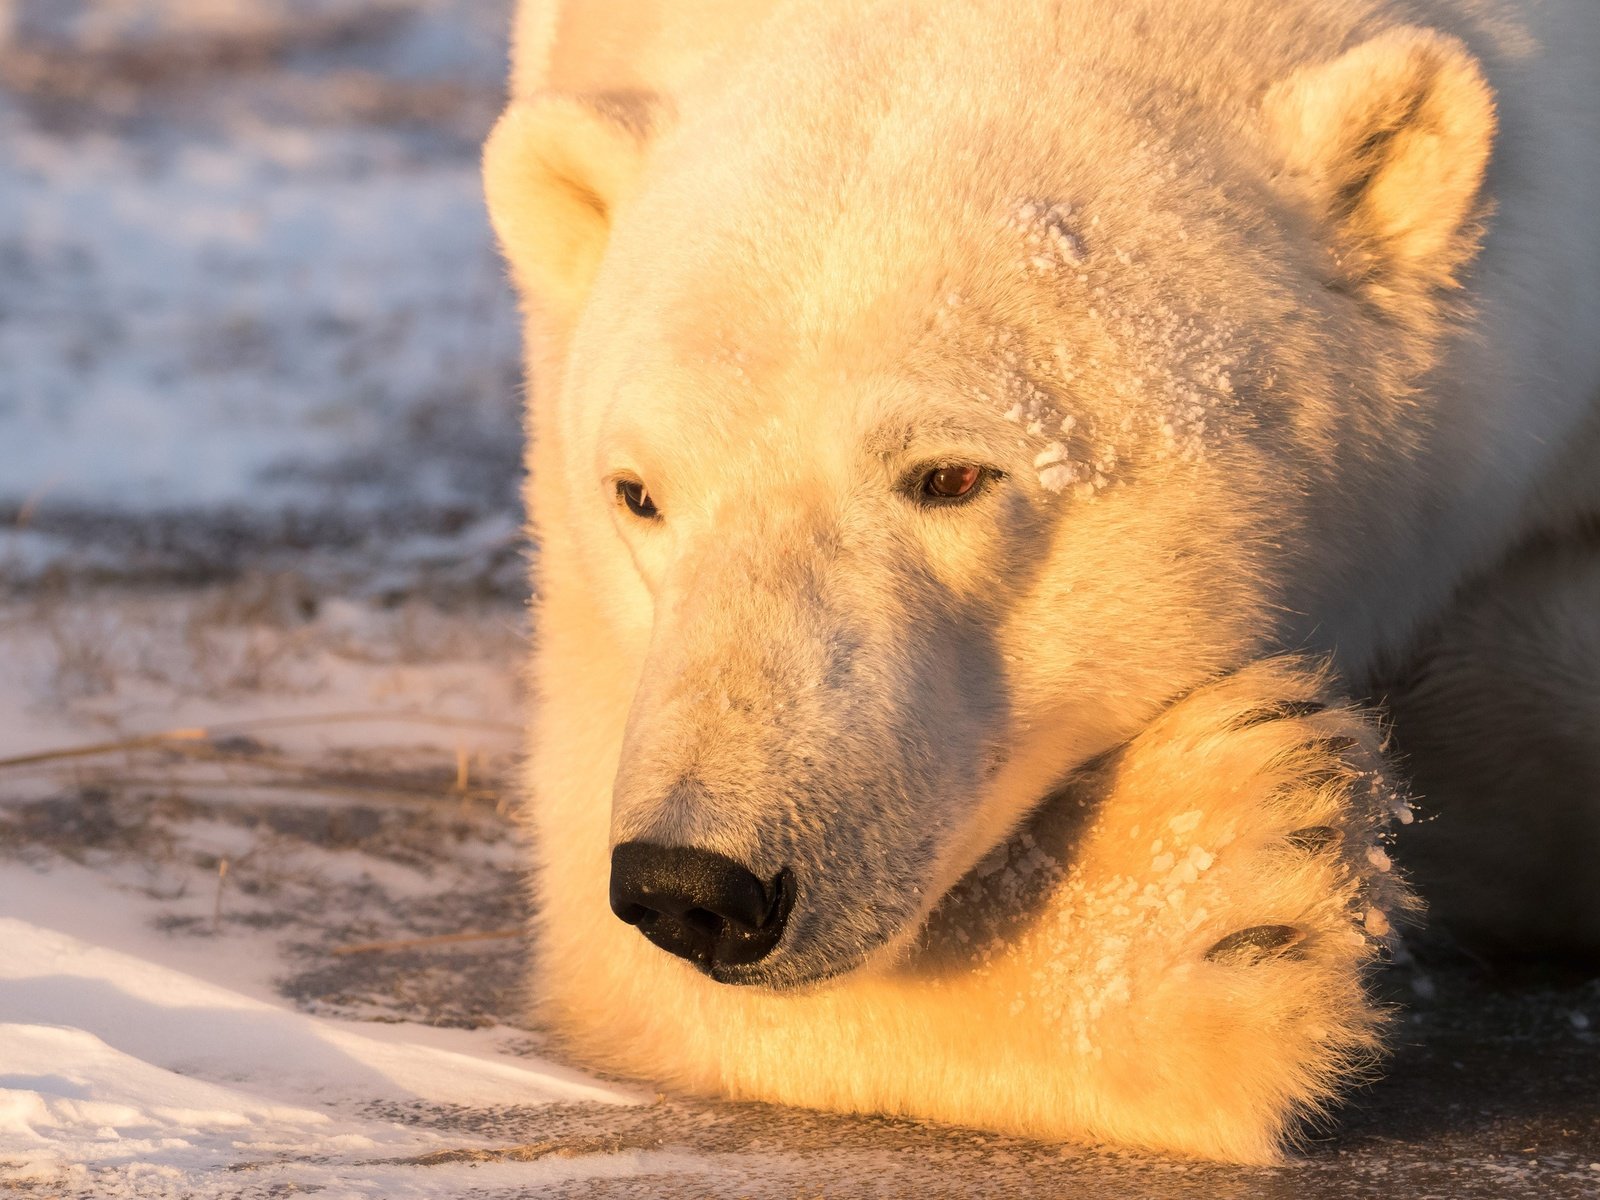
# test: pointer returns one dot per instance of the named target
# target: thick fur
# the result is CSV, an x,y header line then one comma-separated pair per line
x,y
1499,722
1273,322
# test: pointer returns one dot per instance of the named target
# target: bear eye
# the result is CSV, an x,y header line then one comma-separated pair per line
x,y
636,496
953,481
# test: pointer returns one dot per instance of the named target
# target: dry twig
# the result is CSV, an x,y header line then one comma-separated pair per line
x,y
194,740
423,943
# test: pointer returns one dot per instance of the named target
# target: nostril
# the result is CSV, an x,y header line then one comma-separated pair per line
x,y
702,921
633,914
699,905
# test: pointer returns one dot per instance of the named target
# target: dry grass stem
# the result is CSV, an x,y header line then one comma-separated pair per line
x,y
308,782
222,879
423,943
173,738
577,1147
185,739
409,716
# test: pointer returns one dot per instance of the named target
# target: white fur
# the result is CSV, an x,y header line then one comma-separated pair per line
x,y
1210,282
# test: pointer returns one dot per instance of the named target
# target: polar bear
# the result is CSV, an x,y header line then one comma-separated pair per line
x,y
981,454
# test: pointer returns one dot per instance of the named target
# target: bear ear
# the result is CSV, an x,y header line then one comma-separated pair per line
x,y
555,169
1392,140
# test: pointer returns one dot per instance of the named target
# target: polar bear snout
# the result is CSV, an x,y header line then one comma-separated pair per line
x,y
699,905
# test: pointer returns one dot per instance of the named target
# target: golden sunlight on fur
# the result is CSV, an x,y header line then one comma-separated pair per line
x,y
1171,954
980,455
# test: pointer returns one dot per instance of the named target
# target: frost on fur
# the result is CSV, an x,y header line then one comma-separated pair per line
x,y
1193,919
1171,954
1195,306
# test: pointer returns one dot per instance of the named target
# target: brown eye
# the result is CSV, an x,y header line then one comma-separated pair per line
x,y
951,483
637,497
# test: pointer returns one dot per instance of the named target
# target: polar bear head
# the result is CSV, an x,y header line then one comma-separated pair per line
x,y
936,401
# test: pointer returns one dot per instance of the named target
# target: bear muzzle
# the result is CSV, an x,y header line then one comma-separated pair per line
x,y
701,906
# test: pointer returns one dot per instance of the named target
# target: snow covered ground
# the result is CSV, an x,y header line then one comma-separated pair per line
x,y
260,785
261,595
248,298
175,1015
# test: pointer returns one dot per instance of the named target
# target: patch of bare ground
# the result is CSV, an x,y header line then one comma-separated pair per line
x,y
70,79
395,852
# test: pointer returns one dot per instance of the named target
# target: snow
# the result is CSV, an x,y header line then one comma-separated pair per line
x,y
187,1025
1048,240
246,277
160,1031
258,468
111,1061
259,345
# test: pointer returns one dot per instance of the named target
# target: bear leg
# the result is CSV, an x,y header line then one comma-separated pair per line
x,y
1226,892
1498,722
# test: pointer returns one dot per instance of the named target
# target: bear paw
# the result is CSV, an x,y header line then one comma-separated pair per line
x,y
1225,894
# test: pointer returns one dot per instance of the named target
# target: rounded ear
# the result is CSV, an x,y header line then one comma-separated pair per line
x,y
555,169
1392,140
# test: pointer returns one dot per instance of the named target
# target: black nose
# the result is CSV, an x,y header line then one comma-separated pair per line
x,y
699,905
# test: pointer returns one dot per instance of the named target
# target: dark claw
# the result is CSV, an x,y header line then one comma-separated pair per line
x,y
1301,708
1331,772
1283,710
1314,839
1256,944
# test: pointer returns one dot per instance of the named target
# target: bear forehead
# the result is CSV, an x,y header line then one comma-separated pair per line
x,y
1057,256
1088,382
849,247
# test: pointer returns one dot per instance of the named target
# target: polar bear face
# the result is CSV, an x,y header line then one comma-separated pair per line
x,y
923,448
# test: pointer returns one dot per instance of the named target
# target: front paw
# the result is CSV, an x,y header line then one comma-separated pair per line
x,y
1223,908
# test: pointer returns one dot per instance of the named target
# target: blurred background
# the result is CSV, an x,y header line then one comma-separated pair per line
x,y
251,318
261,564
261,608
